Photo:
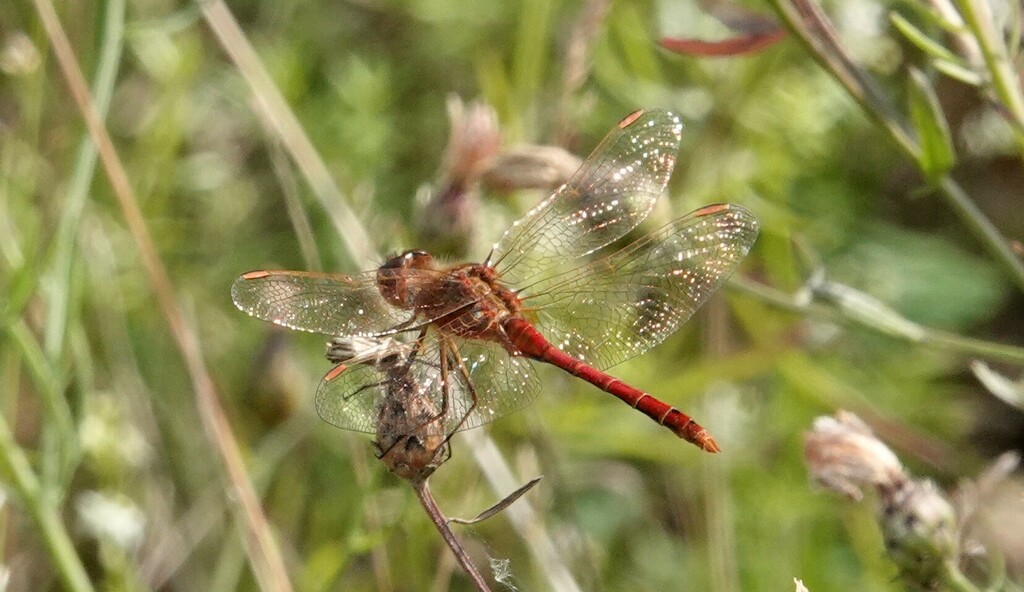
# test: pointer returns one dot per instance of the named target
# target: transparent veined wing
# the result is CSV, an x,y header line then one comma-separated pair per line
x,y
329,304
344,305
613,191
466,383
619,306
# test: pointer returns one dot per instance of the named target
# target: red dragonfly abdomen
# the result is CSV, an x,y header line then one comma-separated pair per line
x,y
532,344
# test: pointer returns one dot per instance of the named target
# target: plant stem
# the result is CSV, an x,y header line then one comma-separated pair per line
x,y
982,228
48,520
956,580
805,19
264,555
934,338
1005,82
441,522
63,254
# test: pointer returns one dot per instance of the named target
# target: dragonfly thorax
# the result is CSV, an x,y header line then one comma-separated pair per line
x,y
470,302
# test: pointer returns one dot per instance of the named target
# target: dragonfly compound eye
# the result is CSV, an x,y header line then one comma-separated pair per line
x,y
395,277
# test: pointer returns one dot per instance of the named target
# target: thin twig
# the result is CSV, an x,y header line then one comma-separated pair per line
x,y
441,522
264,555
521,514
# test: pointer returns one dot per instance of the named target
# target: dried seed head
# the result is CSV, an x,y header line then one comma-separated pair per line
x,y
473,141
917,521
843,455
411,441
920,530
450,209
530,166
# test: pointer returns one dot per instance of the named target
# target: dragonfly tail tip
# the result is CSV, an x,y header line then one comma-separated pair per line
x,y
708,444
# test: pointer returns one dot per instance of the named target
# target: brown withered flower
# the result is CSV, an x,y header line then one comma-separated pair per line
x,y
918,523
843,455
473,142
474,159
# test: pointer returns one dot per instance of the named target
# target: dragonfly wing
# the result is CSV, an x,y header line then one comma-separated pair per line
x,y
502,383
359,397
351,399
466,383
618,307
319,303
473,381
613,191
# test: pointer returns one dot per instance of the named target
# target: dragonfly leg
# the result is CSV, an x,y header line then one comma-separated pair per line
x,y
380,452
416,346
356,392
445,395
457,360
404,326
450,358
469,386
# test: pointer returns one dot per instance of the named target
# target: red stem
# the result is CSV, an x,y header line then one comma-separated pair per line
x,y
441,522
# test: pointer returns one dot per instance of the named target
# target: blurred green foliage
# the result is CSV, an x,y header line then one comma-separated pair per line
x,y
629,507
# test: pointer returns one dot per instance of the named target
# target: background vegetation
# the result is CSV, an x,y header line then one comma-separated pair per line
x,y
146,421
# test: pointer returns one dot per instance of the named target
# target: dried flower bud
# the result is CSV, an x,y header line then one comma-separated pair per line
x,y
411,441
920,530
473,143
530,166
917,521
843,455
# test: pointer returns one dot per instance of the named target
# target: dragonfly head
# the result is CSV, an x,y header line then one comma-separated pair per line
x,y
394,276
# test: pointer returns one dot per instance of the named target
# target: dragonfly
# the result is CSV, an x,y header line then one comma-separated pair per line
x,y
556,288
